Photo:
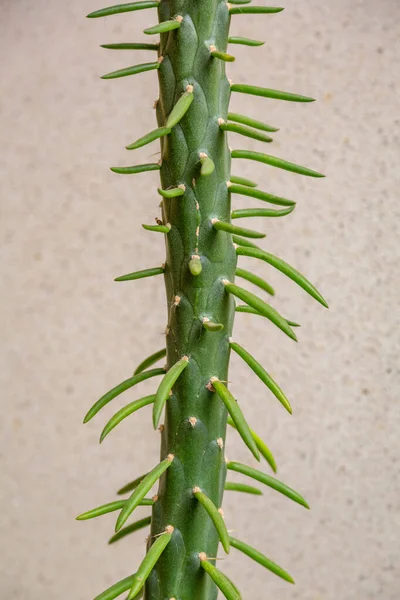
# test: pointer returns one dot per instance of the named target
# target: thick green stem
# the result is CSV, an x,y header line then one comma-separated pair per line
x,y
195,419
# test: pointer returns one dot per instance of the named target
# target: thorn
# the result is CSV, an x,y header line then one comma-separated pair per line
x,y
179,18
203,155
192,421
169,529
202,556
167,330
221,121
220,443
214,221
170,457
177,300
189,88
160,59
225,281
210,386
206,320
182,186
155,498
228,184
161,428
155,103
230,81
196,489
197,231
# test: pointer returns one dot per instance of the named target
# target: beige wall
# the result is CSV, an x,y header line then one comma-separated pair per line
x,y
69,333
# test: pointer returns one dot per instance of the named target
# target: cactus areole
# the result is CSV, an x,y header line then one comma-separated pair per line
x,y
202,250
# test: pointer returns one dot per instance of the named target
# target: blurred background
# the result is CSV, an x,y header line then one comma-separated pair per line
x,y
69,226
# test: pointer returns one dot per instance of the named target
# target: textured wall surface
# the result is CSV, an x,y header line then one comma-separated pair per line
x,y
69,333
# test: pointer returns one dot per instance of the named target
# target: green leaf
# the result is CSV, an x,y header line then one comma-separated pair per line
x,y
124,412
136,169
195,266
284,268
239,1
236,239
149,561
262,307
231,486
260,195
244,41
166,386
271,482
215,517
141,490
130,529
269,93
255,280
130,46
171,192
131,485
293,323
261,559
150,360
117,589
229,228
251,123
141,274
262,374
207,165
255,10
118,389
163,27
133,70
149,137
158,228
246,131
180,109
243,181
224,56
236,414
221,581
104,509
275,162
121,8
212,326
261,212
261,445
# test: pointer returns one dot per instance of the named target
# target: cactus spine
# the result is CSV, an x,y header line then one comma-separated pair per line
x,y
202,248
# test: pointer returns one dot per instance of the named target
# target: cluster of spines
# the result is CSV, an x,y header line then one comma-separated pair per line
x,y
251,128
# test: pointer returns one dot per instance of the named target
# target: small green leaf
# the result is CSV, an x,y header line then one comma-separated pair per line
x,y
129,487
136,169
215,517
260,195
261,212
275,162
292,323
231,486
149,137
236,239
141,274
261,445
239,1
207,166
117,589
255,10
224,56
268,480
284,268
104,509
211,326
262,307
124,412
246,131
130,46
236,414
150,360
149,561
195,266
180,109
251,123
221,581
229,228
122,8
158,228
133,70
171,192
163,27
141,490
261,559
255,280
268,93
244,41
262,374
118,389
130,529
166,386
243,181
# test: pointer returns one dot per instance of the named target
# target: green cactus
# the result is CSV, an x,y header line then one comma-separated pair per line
x,y
202,250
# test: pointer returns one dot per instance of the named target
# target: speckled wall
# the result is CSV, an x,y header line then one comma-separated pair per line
x,y
69,333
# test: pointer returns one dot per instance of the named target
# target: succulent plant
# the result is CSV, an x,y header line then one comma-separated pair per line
x,y
200,268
